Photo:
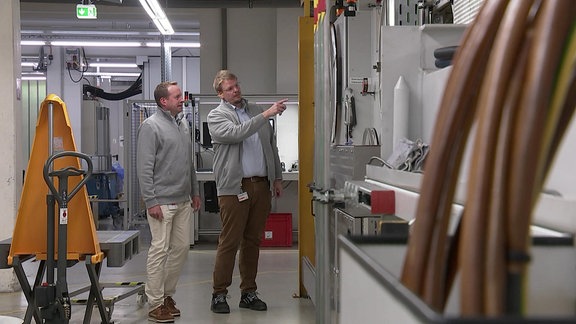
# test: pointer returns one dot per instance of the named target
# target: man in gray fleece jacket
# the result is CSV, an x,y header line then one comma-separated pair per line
x,y
247,171
170,191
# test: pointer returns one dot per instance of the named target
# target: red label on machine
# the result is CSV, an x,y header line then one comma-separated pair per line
x,y
63,216
383,202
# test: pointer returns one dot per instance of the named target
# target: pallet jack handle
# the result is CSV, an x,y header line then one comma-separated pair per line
x,y
54,298
65,173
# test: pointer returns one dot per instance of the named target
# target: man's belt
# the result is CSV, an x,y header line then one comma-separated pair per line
x,y
255,179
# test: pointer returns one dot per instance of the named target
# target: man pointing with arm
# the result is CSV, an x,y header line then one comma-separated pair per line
x,y
248,172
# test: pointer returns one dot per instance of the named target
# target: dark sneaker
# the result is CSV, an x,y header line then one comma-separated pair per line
x,y
160,314
219,304
171,306
251,300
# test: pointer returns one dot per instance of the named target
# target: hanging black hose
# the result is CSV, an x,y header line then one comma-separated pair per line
x,y
134,89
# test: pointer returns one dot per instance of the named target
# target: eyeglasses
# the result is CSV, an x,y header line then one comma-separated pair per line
x,y
232,87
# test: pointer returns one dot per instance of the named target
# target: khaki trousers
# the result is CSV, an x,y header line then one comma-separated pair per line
x,y
242,227
168,251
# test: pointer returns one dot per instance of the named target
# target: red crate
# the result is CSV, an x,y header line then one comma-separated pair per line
x,y
278,230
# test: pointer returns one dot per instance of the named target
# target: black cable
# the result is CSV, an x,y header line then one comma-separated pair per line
x,y
134,89
83,60
71,78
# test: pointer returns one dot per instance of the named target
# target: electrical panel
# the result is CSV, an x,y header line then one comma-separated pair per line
x,y
73,58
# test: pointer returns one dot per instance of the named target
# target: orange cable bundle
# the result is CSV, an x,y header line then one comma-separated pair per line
x,y
514,78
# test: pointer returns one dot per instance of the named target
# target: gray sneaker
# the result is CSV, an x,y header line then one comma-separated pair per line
x,y
250,300
219,304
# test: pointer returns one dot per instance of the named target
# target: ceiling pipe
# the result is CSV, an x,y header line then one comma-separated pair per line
x,y
224,17
196,3
229,3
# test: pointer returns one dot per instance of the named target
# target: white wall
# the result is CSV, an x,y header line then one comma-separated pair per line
x,y
287,50
252,48
10,114
10,132
261,48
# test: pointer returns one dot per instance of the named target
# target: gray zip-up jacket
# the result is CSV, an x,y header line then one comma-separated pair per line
x,y
164,162
227,134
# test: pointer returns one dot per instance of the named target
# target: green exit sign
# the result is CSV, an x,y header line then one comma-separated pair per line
x,y
86,11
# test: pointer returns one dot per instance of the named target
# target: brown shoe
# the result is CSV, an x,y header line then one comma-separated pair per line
x,y
160,314
171,306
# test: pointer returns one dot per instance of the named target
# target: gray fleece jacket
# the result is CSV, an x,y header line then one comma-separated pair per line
x,y
164,163
227,134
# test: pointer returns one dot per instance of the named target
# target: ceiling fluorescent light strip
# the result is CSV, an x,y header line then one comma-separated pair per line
x,y
103,32
32,43
173,44
33,73
114,65
81,43
34,78
119,74
158,16
147,8
163,26
100,44
166,25
93,32
175,33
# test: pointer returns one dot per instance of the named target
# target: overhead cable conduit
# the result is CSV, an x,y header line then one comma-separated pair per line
x,y
135,88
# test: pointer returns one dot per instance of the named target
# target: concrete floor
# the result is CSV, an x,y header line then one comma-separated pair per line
x,y
277,284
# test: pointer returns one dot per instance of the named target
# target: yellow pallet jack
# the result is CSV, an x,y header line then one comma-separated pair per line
x,y
35,235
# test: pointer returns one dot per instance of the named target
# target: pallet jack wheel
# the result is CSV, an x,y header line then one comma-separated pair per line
x,y
141,299
110,309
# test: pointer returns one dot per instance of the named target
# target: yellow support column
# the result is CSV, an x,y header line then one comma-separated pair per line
x,y
306,242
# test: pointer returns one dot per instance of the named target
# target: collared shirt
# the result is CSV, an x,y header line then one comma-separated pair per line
x,y
253,163
178,118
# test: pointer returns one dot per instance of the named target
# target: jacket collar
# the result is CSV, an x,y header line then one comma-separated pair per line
x,y
243,104
166,114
